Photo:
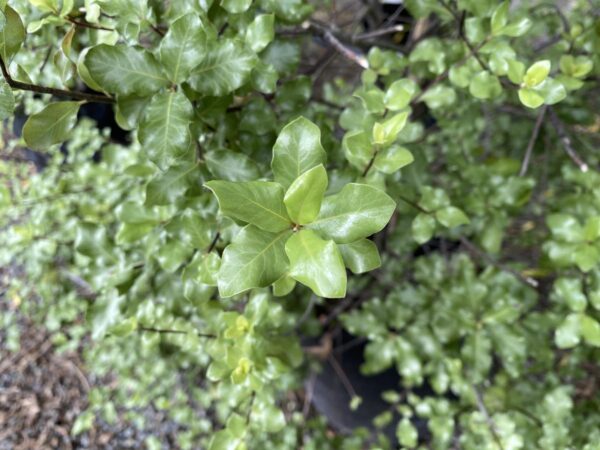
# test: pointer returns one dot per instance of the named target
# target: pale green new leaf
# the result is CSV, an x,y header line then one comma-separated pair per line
x,y
304,196
261,32
360,256
386,132
259,203
225,67
358,148
392,159
537,73
356,212
423,227
400,93
530,98
164,130
297,149
316,263
500,17
255,259
51,125
451,217
124,70
183,47
12,34
590,330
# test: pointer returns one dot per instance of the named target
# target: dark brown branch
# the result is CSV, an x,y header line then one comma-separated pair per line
x,y
214,242
83,24
565,139
532,139
99,98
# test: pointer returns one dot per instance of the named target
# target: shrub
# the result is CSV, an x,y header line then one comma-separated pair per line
x,y
443,210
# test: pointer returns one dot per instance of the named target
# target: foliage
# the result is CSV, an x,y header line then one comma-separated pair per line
x,y
456,181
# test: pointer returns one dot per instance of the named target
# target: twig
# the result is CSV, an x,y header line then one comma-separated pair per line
x,y
566,141
88,25
99,98
168,331
413,204
488,418
336,43
377,33
532,140
342,375
470,246
214,242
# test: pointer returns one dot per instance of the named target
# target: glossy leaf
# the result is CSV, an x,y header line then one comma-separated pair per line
x,y
400,93
451,217
183,47
356,212
261,32
537,73
304,196
316,263
125,70
12,34
423,227
225,66
386,132
164,130
530,98
297,149
360,256
259,203
167,187
236,6
392,159
230,165
254,259
51,125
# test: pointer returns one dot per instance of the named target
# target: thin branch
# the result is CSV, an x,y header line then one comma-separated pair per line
x,y
168,331
83,24
381,32
532,140
413,204
488,418
474,249
99,98
342,376
566,141
214,242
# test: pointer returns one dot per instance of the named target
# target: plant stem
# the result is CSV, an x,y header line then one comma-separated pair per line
x,y
98,98
532,139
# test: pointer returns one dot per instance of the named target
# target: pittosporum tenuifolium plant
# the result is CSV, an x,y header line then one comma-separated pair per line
x,y
294,232
209,172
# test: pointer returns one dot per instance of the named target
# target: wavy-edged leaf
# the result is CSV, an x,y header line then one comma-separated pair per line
x,y
317,263
297,149
259,203
255,259
225,67
164,131
168,186
356,212
124,70
184,46
51,125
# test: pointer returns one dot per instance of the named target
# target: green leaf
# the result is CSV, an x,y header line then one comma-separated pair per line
x,y
358,148
183,47
297,149
224,440
568,334
517,28
423,227
125,70
167,187
451,217
360,256
407,433
400,93
124,328
230,165
226,66
164,130
516,71
552,90
392,159
565,227
484,85
254,259
258,203
586,257
267,417
12,34
590,330
304,196
356,212
386,133
500,17
7,100
50,126
236,6
439,96
576,66
316,263
261,32
537,73
530,98
570,290
283,286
